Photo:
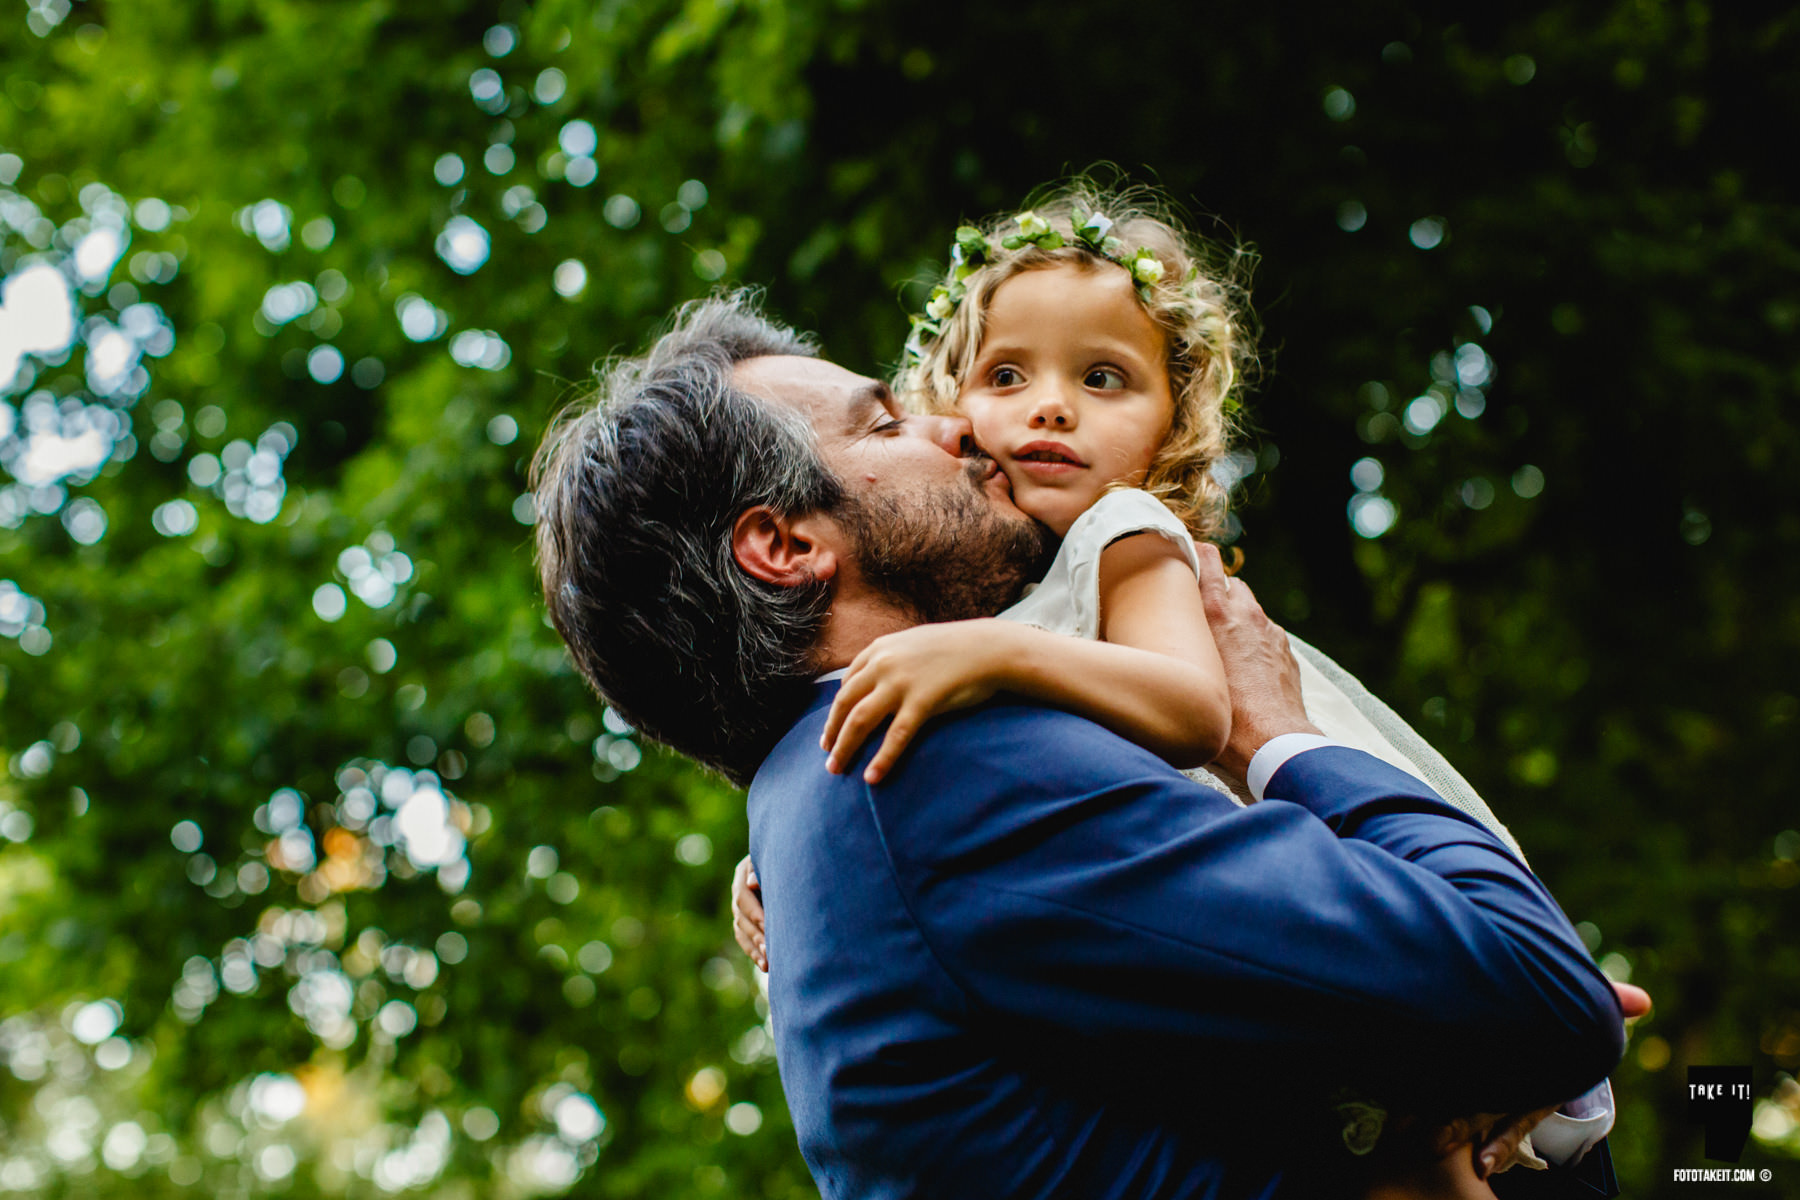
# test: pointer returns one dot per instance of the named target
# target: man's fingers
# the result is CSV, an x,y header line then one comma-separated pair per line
x,y
1213,580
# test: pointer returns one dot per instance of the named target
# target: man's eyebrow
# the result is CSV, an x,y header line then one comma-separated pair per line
x,y
869,399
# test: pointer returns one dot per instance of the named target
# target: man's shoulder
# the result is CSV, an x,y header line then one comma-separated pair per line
x,y
1008,739
1003,755
977,780
987,746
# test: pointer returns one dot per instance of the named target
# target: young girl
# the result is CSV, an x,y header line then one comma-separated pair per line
x,y
1095,351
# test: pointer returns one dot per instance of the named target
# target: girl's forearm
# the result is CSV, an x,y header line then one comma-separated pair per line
x,y
1172,708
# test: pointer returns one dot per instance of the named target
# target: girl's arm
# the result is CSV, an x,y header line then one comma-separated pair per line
x,y
1155,678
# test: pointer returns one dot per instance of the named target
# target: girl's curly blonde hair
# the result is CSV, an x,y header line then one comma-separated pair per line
x,y
1198,301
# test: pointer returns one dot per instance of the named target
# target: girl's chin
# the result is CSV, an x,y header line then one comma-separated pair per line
x,y
1047,506
1055,516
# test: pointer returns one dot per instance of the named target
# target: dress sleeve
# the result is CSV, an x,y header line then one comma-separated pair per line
x,y
1067,601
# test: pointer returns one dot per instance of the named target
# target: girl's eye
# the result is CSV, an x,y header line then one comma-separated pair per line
x,y
1006,377
1104,379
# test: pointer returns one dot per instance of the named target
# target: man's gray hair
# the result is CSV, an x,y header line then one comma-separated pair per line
x,y
638,488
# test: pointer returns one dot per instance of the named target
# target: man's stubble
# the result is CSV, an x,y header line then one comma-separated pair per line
x,y
946,555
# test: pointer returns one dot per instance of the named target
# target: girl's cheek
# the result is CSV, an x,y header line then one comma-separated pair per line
x,y
983,423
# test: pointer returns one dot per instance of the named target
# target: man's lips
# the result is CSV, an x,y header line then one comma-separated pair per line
x,y
1047,459
984,471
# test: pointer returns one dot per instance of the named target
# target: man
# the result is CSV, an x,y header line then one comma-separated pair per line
x,y
1036,960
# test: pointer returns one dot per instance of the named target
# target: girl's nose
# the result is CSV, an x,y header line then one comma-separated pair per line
x,y
1050,412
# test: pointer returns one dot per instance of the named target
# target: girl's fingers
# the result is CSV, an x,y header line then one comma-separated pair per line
x,y
747,913
855,686
856,729
891,748
749,907
742,934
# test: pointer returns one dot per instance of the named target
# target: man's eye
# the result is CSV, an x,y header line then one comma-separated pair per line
x,y
893,425
1105,379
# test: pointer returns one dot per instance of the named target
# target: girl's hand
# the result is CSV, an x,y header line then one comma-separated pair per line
x,y
912,675
747,914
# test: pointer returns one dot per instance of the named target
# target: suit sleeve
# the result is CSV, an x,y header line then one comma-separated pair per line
x,y
1078,890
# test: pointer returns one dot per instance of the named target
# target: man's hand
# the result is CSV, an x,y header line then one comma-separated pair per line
x,y
1259,668
747,914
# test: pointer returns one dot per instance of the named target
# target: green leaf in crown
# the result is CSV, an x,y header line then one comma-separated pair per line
x,y
970,249
1033,231
1093,230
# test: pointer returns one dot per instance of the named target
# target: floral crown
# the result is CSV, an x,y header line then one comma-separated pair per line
x,y
972,250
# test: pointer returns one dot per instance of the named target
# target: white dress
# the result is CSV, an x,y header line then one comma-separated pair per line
x,y
1067,601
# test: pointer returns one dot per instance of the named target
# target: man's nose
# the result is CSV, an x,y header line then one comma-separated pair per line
x,y
954,435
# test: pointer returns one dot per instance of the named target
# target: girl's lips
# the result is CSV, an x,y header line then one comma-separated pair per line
x,y
1047,460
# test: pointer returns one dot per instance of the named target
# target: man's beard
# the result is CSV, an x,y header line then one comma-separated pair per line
x,y
946,555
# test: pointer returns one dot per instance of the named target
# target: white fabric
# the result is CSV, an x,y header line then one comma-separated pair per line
x,y
1067,601
1274,755
1565,1136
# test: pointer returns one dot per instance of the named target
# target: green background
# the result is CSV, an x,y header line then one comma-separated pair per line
x,y
1586,596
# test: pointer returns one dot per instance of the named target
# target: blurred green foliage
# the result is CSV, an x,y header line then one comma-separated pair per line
x,y
1581,579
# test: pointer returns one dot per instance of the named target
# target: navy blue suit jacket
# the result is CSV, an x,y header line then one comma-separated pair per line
x,y
1037,960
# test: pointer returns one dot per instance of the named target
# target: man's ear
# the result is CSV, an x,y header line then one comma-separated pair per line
x,y
788,551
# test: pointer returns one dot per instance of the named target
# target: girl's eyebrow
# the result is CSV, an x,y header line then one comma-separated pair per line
x,y
1101,349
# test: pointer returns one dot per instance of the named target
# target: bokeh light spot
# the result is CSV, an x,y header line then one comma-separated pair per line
x,y
570,278
1339,104
1370,515
325,364
578,139
550,86
329,602
463,245
1426,232
621,211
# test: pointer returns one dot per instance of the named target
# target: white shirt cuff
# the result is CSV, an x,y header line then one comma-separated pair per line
x,y
1274,755
1566,1135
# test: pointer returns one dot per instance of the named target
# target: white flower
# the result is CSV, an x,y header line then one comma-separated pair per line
x,y
1031,225
940,306
1096,228
1147,269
